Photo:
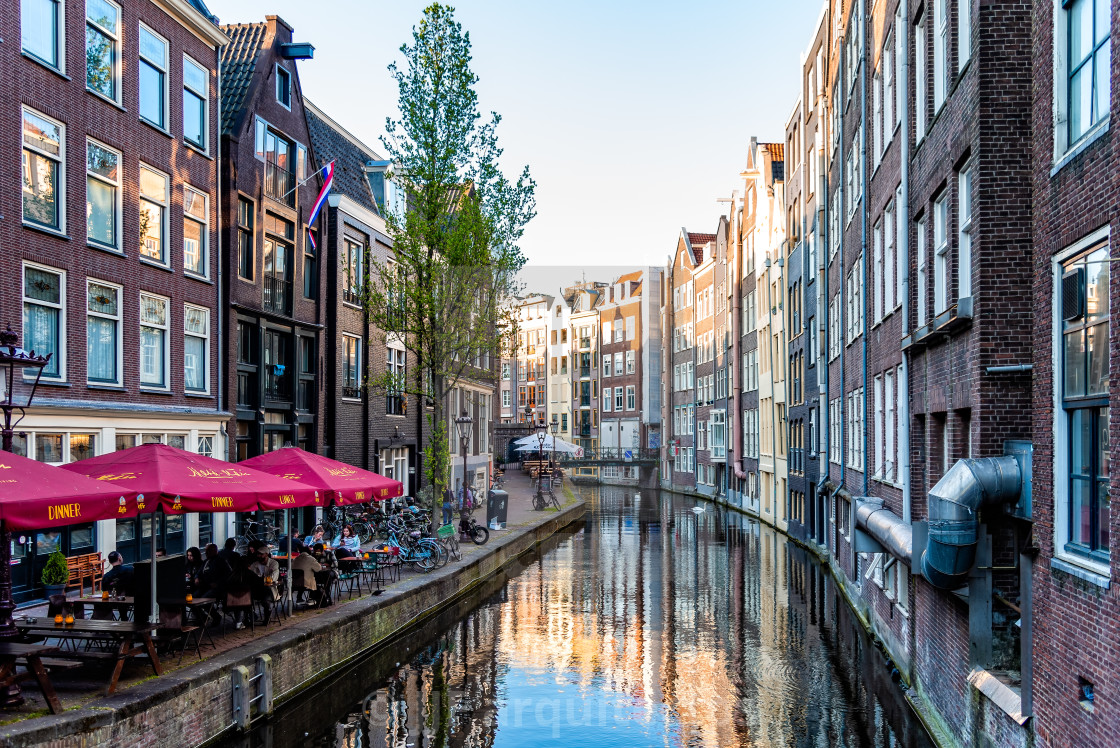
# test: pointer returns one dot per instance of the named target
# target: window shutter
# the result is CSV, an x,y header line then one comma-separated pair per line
x,y
1073,294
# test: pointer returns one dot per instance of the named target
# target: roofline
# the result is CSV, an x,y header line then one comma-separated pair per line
x,y
349,205
374,156
194,21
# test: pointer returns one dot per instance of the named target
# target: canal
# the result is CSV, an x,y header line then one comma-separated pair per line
x,y
648,624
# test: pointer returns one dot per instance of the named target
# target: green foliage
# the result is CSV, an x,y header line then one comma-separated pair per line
x,y
55,571
455,229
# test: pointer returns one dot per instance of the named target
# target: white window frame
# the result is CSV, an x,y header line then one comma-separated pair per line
x,y
880,281
166,327
878,442
618,364
606,361
60,161
940,53
288,74
115,37
204,147
164,220
921,76
118,202
941,259
631,361
205,336
608,394
877,117
1065,147
920,250
631,397
118,323
619,395
59,38
964,231
964,33
165,67
204,247
61,356
888,90
507,398
889,432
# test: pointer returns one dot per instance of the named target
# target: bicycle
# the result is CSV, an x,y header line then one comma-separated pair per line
x,y
478,534
449,539
424,553
256,530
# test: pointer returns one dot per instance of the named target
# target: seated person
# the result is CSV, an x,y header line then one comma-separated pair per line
x,y
289,542
347,544
119,578
319,551
194,569
306,563
265,567
316,536
214,574
242,578
228,553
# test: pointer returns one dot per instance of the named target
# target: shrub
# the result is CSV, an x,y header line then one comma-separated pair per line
x,y
55,572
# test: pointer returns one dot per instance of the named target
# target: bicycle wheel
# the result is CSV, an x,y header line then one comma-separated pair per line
x,y
453,550
479,534
363,531
427,557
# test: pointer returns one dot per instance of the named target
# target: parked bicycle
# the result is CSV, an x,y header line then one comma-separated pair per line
x,y
256,530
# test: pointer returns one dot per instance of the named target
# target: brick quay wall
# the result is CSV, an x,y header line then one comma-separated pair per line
x,y
195,705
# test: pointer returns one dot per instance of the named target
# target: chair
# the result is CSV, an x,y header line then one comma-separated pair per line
x,y
238,599
348,573
173,627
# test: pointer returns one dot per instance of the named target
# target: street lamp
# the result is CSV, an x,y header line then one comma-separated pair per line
x,y
463,423
17,392
541,436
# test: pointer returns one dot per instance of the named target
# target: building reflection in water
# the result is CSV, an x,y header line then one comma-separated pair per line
x,y
652,625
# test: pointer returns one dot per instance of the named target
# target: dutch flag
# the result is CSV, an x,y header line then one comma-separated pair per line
x,y
327,173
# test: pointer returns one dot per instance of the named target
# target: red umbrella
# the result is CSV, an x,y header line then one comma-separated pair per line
x,y
34,495
187,482
344,483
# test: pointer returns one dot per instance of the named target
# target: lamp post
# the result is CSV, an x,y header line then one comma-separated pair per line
x,y
17,391
541,436
554,426
463,423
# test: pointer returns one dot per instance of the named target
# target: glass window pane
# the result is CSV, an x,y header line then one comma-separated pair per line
x,y
152,48
1080,31
48,447
151,94
194,204
42,134
103,14
101,353
126,441
1074,363
153,310
42,285
192,247
40,199
1081,442
82,446
101,161
100,62
101,212
151,230
151,356
1101,62
194,363
101,298
153,185
194,125
1102,443
40,334
126,530
39,27
1080,511
152,439
1098,360
1080,101
179,441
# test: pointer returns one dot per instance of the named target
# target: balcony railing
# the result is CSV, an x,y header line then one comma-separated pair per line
x,y
585,372
276,387
585,401
277,294
354,393
279,184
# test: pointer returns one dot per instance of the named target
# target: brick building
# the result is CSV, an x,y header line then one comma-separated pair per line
x,y
679,319
111,242
368,421
1076,618
584,301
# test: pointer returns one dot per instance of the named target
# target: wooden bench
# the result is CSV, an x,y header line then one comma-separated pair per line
x,y
31,657
82,567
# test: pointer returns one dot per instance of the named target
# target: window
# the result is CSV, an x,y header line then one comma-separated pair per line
x,y
607,400
153,78
1088,49
631,397
205,445
920,75
718,436
196,348
245,238
506,399
888,90
103,189
284,87
618,395
195,232
44,179
103,333
310,278
920,249
352,366
41,24
836,429
505,371
940,52
44,317
351,271
940,254
103,48
395,403
889,281
196,103
877,444
877,117
964,33
964,234
154,325
607,332
154,190
877,250
618,364
1084,396
855,429
606,365
629,328
890,429
855,303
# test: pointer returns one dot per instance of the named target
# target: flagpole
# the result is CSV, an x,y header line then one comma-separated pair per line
x,y
307,179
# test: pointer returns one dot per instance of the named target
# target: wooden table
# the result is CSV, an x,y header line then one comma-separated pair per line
x,y
33,654
124,632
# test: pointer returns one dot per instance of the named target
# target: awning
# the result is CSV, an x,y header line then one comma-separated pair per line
x,y
184,482
342,483
34,495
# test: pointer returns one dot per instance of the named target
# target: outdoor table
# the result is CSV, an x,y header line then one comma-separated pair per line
x,y
202,611
370,568
33,654
82,629
123,606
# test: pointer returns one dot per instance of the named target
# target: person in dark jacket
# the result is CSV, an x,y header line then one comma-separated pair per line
x,y
119,578
215,572
194,565
228,553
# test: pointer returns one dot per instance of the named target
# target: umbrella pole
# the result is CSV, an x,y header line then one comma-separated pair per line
x,y
291,552
153,617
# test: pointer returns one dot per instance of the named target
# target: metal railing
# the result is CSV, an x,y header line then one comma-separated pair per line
x,y
277,294
276,387
279,184
617,455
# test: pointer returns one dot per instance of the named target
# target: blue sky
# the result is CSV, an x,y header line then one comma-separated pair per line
x,y
634,117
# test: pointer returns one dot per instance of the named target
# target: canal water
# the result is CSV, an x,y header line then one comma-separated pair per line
x,y
647,624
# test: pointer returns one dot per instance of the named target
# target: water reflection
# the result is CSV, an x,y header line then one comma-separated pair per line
x,y
652,625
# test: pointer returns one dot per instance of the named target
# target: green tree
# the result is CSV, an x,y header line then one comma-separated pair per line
x,y
455,229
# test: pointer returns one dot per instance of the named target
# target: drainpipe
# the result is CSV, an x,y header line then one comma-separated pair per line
x,y
217,146
863,239
736,371
902,247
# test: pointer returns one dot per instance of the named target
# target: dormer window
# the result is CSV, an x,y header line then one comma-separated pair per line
x,y
284,87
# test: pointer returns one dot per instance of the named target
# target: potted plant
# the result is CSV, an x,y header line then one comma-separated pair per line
x,y
55,574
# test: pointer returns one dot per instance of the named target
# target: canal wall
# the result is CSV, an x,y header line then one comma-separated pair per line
x,y
195,705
